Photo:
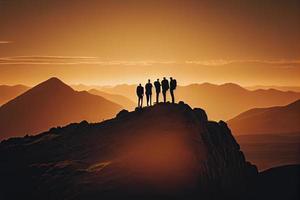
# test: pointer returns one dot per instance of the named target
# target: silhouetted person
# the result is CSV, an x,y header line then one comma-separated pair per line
x,y
140,94
157,89
173,85
148,87
165,88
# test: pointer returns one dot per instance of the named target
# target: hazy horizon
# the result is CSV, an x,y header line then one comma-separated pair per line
x,y
249,87
127,41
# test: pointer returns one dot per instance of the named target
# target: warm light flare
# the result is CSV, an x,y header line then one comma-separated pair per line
x,y
164,162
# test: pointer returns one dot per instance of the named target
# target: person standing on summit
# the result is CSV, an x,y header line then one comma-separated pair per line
x,y
140,94
157,89
173,85
148,87
165,87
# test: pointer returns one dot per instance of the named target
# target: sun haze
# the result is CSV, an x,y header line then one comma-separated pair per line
x,y
124,41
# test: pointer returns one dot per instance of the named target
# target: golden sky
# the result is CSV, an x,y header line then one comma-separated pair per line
x,y
251,42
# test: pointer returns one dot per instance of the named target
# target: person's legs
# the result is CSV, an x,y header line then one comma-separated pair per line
x,y
172,95
142,101
150,96
164,94
157,97
147,98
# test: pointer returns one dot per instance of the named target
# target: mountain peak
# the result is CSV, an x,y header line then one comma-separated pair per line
x,y
51,103
53,81
53,84
232,85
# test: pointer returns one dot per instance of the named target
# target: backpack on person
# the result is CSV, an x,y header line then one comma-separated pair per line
x,y
174,84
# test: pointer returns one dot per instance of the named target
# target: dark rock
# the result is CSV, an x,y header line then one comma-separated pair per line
x,y
277,183
84,123
122,113
137,109
168,151
201,114
181,103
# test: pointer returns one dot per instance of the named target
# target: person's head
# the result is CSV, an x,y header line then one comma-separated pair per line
x,y
148,80
158,79
171,78
164,78
140,84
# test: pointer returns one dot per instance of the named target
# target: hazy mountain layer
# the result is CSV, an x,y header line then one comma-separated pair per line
x,y
8,93
221,102
52,103
274,120
119,99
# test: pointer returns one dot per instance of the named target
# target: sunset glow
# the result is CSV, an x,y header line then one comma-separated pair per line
x,y
114,42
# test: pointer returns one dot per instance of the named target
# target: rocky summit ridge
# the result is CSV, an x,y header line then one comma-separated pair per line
x,y
167,150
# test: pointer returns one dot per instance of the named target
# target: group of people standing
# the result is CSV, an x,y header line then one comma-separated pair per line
x,y
163,86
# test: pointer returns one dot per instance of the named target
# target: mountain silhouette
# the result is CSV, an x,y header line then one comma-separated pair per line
x,y
124,89
119,99
8,93
228,100
51,103
274,120
168,151
82,87
165,150
277,87
221,102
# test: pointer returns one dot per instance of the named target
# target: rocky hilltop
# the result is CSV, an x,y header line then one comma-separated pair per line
x,y
164,151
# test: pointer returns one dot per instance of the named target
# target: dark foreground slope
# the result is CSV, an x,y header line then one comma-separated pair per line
x,y
161,152
278,183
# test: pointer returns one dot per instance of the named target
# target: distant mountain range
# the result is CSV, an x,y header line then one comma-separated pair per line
x,y
52,103
221,102
124,89
119,99
82,87
7,92
273,120
282,88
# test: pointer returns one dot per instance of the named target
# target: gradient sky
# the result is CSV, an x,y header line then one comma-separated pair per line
x,y
250,42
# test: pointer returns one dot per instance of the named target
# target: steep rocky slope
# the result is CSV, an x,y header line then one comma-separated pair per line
x,y
161,151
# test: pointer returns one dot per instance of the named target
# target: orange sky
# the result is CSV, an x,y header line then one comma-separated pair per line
x,y
125,41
